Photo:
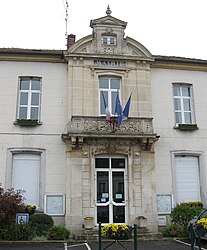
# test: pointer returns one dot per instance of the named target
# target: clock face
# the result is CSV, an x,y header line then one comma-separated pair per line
x,y
164,204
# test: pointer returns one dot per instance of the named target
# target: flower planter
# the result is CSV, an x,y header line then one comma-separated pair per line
x,y
187,127
27,122
89,222
200,232
116,231
122,236
142,222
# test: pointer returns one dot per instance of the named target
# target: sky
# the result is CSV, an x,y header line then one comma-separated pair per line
x,y
164,27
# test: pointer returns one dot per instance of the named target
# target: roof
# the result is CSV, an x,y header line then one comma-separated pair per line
x,y
41,55
178,59
59,55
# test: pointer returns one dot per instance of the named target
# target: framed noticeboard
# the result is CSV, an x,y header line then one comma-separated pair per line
x,y
54,204
164,203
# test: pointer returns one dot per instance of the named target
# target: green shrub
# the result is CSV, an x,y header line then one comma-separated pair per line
x,y
41,223
184,212
175,230
58,233
17,232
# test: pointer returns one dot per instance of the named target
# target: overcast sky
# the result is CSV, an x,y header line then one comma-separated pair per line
x,y
164,27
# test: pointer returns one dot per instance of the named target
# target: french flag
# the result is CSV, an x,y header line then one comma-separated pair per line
x,y
108,115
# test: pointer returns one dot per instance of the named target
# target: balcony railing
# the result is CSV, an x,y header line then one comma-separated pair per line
x,y
98,126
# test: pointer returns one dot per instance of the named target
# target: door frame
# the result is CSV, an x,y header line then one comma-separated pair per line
x,y
110,171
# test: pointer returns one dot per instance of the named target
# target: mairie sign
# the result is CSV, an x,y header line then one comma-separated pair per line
x,y
109,63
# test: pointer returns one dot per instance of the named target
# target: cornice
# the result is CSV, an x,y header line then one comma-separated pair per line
x,y
179,66
179,63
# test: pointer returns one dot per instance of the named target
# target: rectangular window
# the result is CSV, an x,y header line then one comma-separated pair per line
x,y
109,87
187,181
26,175
183,103
109,40
29,98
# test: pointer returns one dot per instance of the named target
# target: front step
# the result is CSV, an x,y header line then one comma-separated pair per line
x,y
142,234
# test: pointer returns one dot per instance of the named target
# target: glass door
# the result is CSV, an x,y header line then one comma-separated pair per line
x,y
110,189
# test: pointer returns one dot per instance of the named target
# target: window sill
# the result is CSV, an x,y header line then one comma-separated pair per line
x,y
187,127
27,122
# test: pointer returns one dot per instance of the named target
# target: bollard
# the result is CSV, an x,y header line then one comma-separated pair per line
x,y
99,235
135,237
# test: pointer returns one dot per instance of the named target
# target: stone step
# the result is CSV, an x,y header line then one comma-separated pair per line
x,y
142,234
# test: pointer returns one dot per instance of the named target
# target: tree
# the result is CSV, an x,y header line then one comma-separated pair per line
x,y
11,202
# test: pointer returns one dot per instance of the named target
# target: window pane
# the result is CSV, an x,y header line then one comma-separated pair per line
x,y
102,107
23,113
115,83
104,40
118,163
178,118
24,84
34,113
103,83
35,84
102,187
24,98
187,117
103,214
113,101
177,104
102,163
176,91
186,91
186,104
118,187
35,99
118,214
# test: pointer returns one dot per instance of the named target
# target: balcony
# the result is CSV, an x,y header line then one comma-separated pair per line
x,y
80,128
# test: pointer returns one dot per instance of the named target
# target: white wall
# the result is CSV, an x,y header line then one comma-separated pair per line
x,y
46,137
173,140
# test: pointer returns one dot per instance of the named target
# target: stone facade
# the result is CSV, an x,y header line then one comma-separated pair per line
x,y
72,134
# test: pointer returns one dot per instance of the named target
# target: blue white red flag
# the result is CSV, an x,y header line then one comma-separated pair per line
x,y
108,115
118,110
126,109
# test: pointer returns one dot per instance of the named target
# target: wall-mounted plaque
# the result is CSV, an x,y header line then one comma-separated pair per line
x,y
55,204
164,203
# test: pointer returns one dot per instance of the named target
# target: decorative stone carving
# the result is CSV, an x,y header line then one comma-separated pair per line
x,y
103,135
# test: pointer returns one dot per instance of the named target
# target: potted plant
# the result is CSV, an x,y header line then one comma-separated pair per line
x,y
117,231
88,222
201,227
141,221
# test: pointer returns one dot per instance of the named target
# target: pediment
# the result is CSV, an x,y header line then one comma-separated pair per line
x,y
130,47
108,20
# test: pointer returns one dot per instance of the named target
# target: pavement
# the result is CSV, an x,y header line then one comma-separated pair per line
x,y
167,244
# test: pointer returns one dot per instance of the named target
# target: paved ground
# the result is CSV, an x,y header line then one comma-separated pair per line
x,y
142,245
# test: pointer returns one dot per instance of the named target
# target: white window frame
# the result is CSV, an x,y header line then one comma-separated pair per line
x,y
30,92
202,172
9,169
108,40
182,98
109,90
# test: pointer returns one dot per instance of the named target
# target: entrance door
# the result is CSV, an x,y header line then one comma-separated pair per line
x,y
111,190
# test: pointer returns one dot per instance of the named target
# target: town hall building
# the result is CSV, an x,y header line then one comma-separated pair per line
x,y
63,143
